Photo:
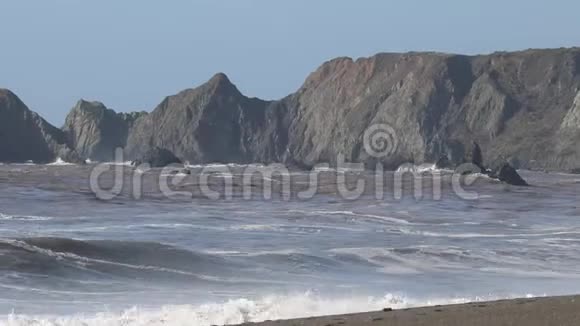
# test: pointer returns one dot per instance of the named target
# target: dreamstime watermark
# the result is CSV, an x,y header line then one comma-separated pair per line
x,y
348,180
380,140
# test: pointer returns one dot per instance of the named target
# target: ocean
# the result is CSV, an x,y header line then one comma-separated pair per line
x,y
71,257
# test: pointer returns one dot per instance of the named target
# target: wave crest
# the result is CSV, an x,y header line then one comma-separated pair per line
x,y
239,311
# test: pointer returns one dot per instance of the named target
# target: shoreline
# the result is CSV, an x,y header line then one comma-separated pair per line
x,y
548,311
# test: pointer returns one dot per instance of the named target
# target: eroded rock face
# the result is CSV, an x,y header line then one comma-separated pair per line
x,y
520,107
342,99
566,147
25,136
572,119
513,104
96,132
211,123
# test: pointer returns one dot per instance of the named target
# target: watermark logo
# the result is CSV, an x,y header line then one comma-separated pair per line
x,y
347,180
380,140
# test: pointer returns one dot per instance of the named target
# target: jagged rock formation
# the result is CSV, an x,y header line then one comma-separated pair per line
x,y
520,107
506,173
503,171
211,123
25,136
476,158
512,103
95,131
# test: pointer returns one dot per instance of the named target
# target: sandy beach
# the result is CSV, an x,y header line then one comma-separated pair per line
x,y
552,311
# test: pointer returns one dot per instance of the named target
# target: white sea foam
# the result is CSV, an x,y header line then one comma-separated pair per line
x,y
83,261
236,311
337,170
485,235
23,217
423,168
60,162
256,227
169,175
27,163
219,165
354,214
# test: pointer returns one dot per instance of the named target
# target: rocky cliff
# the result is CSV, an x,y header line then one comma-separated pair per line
x,y
25,136
211,123
523,107
519,106
95,131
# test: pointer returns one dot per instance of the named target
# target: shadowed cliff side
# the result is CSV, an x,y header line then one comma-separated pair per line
x,y
25,136
212,123
95,131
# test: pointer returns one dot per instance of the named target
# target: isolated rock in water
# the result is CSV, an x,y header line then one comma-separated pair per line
x,y
96,132
157,158
506,173
25,136
477,157
474,160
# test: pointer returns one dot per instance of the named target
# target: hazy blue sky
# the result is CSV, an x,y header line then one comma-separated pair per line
x,y
129,54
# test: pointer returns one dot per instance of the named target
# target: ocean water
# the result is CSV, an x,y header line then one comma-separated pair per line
x,y
70,258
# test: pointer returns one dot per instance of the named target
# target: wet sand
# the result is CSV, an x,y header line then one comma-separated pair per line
x,y
553,311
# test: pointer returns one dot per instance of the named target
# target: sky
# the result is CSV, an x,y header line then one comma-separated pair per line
x,y
130,54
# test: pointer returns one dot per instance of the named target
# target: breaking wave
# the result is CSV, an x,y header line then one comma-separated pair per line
x,y
56,256
60,162
419,168
239,311
7,217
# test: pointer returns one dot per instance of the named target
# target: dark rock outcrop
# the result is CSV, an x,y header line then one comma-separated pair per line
x,y
212,123
506,173
96,132
477,157
157,158
503,171
25,136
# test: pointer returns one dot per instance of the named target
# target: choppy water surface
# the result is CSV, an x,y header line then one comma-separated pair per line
x,y
67,258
